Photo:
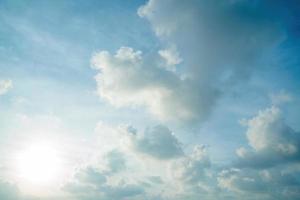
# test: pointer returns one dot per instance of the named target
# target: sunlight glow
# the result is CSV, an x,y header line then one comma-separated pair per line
x,y
39,164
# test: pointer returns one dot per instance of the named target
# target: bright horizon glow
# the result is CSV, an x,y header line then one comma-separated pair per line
x,y
39,164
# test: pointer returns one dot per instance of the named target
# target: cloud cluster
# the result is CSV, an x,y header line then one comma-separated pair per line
x,y
214,37
158,142
91,182
271,140
267,169
171,57
126,79
5,85
194,176
192,168
259,184
215,43
219,42
207,47
139,164
211,47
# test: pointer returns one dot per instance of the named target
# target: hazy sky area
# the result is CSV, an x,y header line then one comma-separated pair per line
x,y
149,99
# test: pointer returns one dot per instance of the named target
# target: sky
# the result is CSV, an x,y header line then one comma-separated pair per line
x,y
149,99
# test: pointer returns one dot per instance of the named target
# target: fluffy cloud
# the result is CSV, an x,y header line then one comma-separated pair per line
x,y
126,79
271,139
192,168
238,181
220,43
261,184
269,167
116,161
103,182
171,57
158,142
194,176
5,85
214,37
126,172
122,173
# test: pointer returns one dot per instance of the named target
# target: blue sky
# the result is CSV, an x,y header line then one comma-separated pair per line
x,y
201,98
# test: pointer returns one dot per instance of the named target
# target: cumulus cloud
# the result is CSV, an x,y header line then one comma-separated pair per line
x,y
271,140
158,142
126,79
171,57
240,181
192,168
214,37
101,190
126,172
220,43
216,45
116,161
91,183
5,85
258,184
122,173
109,138
194,176
269,167
96,181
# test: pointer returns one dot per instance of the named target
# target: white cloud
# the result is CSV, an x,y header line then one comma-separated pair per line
x,y
109,138
124,149
125,79
220,43
194,176
239,181
261,128
192,168
267,169
158,142
116,161
139,164
271,140
214,38
5,85
121,172
171,57
258,184
93,183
